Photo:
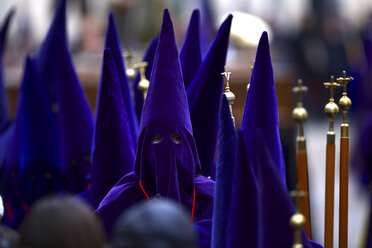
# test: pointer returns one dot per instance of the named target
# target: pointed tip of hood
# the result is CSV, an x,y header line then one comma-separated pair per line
x,y
166,100
4,28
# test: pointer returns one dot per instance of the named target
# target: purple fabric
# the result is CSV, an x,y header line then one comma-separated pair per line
x,y
149,58
203,229
261,110
5,142
113,42
275,208
242,228
204,96
226,156
39,156
11,181
6,127
4,113
46,56
75,121
4,29
113,154
190,55
166,162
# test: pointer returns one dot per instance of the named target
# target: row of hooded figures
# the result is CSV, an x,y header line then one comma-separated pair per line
x,y
161,144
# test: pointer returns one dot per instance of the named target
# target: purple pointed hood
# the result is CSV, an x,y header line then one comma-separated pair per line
x,y
243,220
204,96
46,57
75,121
275,207
113,154
190,55
113,42
261,109
167,160
39,155
226,157
4,113
149,58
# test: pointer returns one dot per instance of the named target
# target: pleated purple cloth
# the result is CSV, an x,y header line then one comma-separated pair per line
x,y
204,96
190,55
113,154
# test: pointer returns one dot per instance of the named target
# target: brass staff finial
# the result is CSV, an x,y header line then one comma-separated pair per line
x,y
143,84
299,114
331,109
229,95
131,73
297,220
345,104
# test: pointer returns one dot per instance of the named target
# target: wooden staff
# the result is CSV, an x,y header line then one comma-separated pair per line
x,y
331,110
345,104
300,115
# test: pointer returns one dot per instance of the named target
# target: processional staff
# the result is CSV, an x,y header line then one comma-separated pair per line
x,y
331,110
298,220
143,84
345,104
229,95
300,115
131,73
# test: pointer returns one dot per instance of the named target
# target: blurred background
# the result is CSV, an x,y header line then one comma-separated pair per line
x,y
310,39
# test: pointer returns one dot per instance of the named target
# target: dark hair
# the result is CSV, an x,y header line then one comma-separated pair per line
x,y
61,223
155,224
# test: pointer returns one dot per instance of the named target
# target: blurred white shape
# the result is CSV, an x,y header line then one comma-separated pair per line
x,y
246,29
1,208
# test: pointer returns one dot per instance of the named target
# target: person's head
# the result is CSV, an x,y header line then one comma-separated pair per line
x,y
155,224
61,223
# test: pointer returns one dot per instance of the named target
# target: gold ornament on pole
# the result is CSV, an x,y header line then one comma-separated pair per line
x,y
229,95
331,110
297,220
143,84
299,114
131,72
345,104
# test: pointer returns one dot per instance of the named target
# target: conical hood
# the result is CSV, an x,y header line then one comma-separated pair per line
x,y
274,205
149,58
226,156
190,55
242,228
166,99
204,96
4,113
167,160
113,155
39,155
113,42
4,30
46,57
74,120
261,109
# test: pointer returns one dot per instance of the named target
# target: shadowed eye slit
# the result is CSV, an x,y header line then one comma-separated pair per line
x,y
157,139
176,138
